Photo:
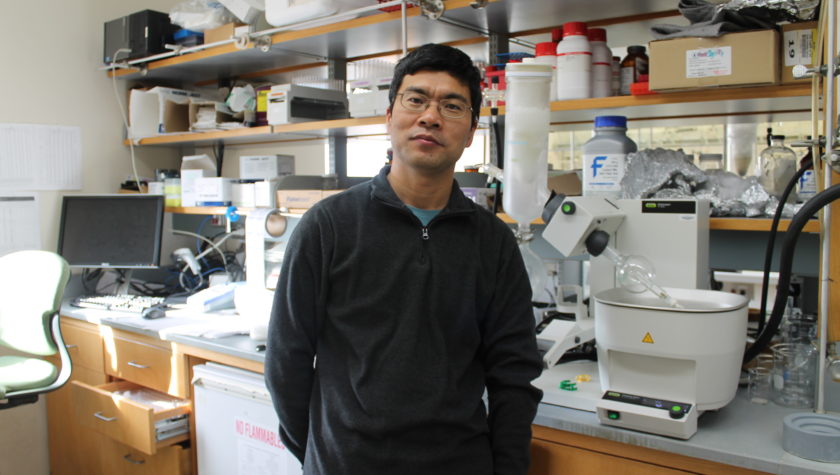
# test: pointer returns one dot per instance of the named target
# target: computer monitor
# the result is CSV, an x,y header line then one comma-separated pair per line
x,y
111,231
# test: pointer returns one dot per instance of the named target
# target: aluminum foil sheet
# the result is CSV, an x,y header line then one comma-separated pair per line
x,y
791,10
651,170
670,174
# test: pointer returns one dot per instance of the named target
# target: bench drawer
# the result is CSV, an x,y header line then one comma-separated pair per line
x,y
138,417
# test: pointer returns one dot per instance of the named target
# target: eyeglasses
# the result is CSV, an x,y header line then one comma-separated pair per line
x,y
450,108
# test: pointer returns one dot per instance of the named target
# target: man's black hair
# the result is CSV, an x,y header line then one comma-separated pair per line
x,y
435,57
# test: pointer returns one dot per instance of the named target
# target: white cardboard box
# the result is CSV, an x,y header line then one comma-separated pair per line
x,y
192,168
242,194
213,191
265,167
160,110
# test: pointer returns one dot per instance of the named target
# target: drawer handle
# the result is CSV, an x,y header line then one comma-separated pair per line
x,y
71,346
135,462
99,415
137,365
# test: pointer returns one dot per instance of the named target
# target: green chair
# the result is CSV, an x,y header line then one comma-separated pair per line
x,y
31,287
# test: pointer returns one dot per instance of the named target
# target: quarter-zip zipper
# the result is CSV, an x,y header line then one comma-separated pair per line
x,y
425,233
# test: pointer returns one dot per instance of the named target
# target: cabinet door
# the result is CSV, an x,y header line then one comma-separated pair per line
x,y
118,459
550,458
73,449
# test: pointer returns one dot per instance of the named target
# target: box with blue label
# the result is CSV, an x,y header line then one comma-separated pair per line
x,y
750,57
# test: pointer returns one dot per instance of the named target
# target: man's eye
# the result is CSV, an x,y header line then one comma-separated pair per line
x,y
455,106
416,100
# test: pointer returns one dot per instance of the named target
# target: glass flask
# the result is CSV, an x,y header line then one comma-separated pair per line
x,y
776,166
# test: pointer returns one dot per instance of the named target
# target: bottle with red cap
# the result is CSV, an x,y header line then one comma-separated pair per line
x,y
601,63
545,53
574,63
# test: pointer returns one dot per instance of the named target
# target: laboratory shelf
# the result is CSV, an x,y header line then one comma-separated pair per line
x,y
370,35
713,101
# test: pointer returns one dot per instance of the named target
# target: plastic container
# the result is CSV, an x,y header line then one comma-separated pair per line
x,y
776,167
601,63
574,63
526,140
605,157
632,66
546,53
289,12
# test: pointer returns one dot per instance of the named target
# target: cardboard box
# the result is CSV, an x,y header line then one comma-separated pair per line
x,y
799,43
265,167
224,32
302,199
213,191
160,110
568,183
750,57
242,194
194,167
265,193
208,115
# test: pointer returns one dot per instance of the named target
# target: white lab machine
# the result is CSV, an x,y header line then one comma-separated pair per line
x,y
236,428
265,233
658,366
290,103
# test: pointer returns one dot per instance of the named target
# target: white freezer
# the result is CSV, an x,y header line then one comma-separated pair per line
x,y
236,426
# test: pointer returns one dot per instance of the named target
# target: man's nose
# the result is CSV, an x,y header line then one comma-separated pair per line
x,y
431,116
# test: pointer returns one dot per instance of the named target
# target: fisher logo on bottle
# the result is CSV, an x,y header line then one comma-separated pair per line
x,y
597,163
605,172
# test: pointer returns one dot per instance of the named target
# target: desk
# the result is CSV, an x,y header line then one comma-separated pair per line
x,y
740,438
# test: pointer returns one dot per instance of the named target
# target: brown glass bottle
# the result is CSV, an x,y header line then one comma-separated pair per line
x,y
633,65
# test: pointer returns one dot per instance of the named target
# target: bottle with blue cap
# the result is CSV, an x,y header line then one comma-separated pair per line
x,y
605,157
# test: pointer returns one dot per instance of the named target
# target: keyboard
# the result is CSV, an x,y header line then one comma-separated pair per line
x,y
117,303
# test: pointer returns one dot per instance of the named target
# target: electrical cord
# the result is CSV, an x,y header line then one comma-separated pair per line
x,y
799,220
211,243
124,118
771,240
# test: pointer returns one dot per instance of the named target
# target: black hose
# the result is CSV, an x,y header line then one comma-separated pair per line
x,y
809,209
771,240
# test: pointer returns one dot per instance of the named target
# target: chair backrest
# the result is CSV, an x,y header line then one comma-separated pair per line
x,y
31,288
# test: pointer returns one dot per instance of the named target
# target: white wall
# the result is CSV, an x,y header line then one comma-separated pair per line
x,y
51,52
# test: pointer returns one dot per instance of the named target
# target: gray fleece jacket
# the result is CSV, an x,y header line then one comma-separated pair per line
x,y
385,334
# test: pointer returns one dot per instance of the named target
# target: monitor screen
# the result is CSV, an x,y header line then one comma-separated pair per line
x,y
111,231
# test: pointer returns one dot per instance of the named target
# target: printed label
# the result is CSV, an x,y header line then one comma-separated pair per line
x,y
799,46
603,172
708,62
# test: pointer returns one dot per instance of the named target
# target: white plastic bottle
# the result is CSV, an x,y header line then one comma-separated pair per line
x,y
546,54
605,157
574,63
601,63
526,140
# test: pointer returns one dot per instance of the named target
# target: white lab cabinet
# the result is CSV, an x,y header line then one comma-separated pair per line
x,y
236,426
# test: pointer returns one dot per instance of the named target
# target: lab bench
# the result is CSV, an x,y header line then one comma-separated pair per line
x,y
740,438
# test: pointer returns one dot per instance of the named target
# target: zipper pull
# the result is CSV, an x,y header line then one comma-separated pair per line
x,y
425,233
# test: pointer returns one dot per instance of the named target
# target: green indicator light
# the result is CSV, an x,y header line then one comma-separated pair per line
x,y
613,415
565,207
676,408
614,394
650,205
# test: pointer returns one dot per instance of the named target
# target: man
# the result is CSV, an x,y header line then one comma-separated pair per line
x,y
400,301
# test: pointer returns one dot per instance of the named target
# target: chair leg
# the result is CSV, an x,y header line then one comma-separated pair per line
x,y
19,401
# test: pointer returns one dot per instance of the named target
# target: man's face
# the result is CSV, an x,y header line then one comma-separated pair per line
x,y
426,140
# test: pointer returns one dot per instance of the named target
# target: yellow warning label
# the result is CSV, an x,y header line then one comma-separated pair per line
x,y
647,338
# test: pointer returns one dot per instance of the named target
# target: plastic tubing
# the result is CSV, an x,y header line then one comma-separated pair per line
x,y
798,222
771,241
